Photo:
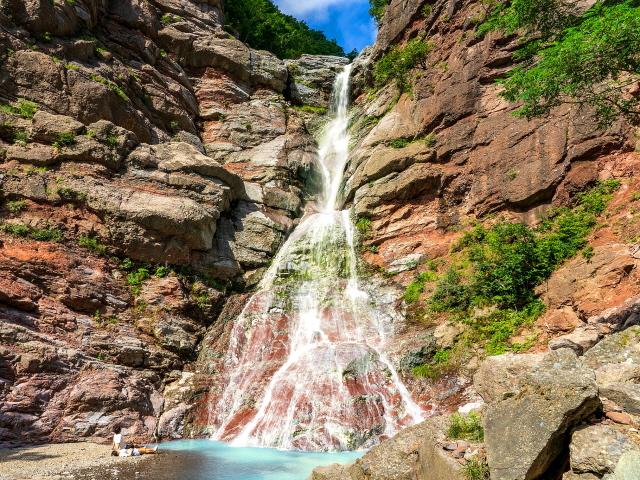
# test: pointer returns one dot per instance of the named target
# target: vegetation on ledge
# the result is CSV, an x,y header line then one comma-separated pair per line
x,y
262,25
377,8
489,285
591,59
399,61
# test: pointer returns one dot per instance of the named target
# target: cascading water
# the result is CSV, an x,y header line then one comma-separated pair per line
x,y
305,368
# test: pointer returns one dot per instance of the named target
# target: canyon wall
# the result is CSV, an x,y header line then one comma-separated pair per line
x,y
150,164
447,156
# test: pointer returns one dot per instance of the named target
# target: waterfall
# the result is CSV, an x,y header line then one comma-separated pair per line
x,y
306,366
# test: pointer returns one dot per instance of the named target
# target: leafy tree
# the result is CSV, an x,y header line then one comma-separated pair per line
x,y
399,61
591,59
377,8
263,26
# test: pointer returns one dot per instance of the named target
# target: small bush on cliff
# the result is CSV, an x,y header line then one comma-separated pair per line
x,y
16,206
475,469
510,259
490,285
92,243
21,137
39,234
363,225
263,26
417,286
399,61
591,59
114,87
65,139
466,427
136,278
24,108
377,8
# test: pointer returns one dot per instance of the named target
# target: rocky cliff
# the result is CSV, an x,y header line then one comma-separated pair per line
x,y
151,163
446,157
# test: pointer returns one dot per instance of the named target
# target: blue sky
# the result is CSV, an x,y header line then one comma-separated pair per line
x,y
347,21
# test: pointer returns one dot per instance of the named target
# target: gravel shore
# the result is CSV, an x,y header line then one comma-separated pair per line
x,y
62,461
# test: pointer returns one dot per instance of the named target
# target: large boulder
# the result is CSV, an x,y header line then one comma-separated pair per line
x,y
616,361
501,376
553,397
597,449
414,453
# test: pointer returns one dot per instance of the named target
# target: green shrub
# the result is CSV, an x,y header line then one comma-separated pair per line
x,y
399,61
92,243
416,287
498,327
428,140
168,19
114,87
426,371
426,10
311,109
510,259
136,278
71,195
39,234
46,234
363,225
65,139
438,365
399,142
450,293
16,206
127,264
465,427
498,268
21,137
431,140
475,469
377,8
17,229
112,140
162,271
24,108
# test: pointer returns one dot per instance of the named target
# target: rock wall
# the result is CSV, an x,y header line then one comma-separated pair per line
x,y
478,158
149,162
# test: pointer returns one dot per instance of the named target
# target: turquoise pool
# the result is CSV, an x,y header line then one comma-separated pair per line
x,y
209,460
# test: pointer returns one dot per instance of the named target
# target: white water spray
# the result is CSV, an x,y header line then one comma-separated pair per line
x,y
306,367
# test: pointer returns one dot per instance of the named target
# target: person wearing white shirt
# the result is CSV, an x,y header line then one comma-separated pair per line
x,y
121,449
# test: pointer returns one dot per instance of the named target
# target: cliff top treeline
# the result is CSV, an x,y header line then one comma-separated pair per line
x,y
263,26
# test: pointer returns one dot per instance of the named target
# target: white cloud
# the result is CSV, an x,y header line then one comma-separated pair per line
x,y
316,8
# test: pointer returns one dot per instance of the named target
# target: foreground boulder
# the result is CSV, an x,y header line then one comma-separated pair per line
x,y
553,397
597,449
415,453
616,361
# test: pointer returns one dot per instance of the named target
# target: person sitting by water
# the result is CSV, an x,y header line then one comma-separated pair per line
x,y
122,449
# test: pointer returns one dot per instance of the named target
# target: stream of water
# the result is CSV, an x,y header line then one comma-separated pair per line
x,y
306,366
